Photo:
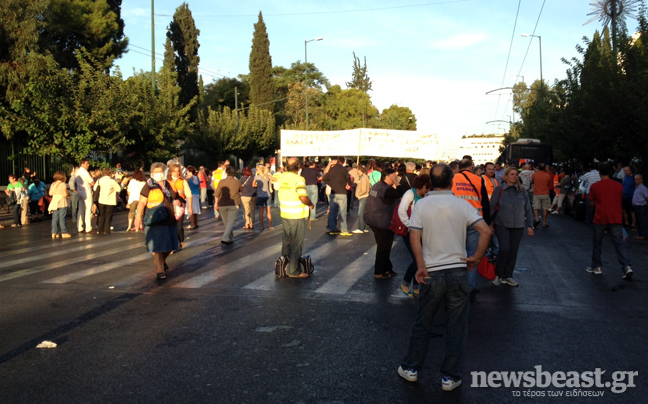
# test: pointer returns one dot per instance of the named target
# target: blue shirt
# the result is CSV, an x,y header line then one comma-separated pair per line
x,y
628,186
640,195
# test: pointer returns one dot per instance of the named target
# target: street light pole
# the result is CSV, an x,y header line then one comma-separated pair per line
x,y
540,43
306,70
153,44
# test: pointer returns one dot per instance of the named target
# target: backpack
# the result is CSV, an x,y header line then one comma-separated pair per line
x,y
281,266
306,265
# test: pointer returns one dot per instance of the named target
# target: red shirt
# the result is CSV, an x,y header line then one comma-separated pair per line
x,y
542,183
607,195
203,181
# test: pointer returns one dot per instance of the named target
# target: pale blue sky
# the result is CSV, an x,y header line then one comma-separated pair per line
x,y
437,57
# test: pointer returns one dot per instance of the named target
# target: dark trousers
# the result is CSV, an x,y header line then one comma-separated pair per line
x,y
181,235
641,212
16,213
411,269
509,243
292,242
105,218
384,240
74,199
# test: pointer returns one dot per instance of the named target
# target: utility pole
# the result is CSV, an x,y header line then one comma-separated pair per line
x,y
153,45
236,107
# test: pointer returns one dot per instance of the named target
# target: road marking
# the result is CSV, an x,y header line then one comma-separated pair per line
x,y
107,267
230,267
346,278
62,251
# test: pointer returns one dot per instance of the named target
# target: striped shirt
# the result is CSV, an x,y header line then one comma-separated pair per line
x,y
588,179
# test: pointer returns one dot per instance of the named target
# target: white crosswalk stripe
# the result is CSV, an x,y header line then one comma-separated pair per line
x,y
345,279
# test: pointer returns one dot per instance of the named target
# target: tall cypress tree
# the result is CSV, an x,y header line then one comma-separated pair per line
x,y
184,37
261,84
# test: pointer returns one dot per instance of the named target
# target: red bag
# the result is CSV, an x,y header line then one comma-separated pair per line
x,y
397,225
486,269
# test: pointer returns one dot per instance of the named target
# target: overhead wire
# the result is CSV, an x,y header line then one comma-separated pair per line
x,y
323,12
508,57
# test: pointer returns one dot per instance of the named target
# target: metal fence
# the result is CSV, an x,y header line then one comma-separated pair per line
x,y
14,160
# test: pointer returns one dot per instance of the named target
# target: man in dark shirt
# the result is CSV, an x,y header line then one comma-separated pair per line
x,y
337,177
407,181
606,196
311,175
227,200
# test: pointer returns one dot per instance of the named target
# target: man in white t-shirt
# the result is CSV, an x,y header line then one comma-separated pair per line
x,y
438,227
84,184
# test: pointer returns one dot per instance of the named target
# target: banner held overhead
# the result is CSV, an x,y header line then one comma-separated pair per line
x,y
360,142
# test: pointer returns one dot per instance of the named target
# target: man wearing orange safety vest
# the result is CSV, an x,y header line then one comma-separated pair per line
x,y
472,189
489,179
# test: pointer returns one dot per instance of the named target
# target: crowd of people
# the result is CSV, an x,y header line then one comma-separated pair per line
x,y
450,216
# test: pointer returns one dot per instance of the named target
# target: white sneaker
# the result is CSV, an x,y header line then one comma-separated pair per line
x,y
496,281
595,271
509,281
366,231
628,273
447,384
410,375
555,212
357,231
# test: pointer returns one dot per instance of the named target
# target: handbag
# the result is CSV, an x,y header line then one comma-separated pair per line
x,y
486,269
155,215
11,199
397,225
178,211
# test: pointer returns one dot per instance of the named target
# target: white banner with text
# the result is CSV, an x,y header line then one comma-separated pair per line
x,y
360,142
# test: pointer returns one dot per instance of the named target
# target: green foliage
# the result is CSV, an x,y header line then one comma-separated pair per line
x,y
261,84
359,78
184,39
396,117
96,25
250,133
220,93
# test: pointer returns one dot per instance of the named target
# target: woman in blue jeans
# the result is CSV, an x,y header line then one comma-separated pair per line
x,y
422,185
59,204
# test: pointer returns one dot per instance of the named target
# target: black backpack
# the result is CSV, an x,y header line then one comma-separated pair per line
x,y
307,265
281,266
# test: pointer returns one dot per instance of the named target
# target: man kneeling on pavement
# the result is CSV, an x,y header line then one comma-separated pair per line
x,y
295,209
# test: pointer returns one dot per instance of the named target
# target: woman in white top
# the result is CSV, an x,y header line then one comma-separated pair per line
x,y
422,185
58,205
135,185
108,189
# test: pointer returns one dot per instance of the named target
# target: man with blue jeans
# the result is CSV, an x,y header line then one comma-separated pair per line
x,y
311,175
337,177
437,234
606,196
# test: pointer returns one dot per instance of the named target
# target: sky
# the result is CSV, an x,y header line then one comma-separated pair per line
x,y
437,57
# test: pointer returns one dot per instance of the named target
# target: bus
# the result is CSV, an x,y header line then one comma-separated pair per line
x,y
527,150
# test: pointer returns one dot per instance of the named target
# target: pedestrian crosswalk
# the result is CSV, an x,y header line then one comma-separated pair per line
x,y
247,265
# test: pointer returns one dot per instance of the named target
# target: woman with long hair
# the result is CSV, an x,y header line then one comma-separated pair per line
x,y
181,186
511,210
248,197
263,194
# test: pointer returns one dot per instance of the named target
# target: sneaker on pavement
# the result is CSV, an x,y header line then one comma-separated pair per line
x,y
595,271
447,384
346,234
496,281
357,231
509,281
628,273
555,212
411,375
333,233
366,231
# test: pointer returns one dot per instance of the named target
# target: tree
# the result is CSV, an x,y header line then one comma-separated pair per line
x,y
184,38
359,78
97,26
396,117
221,93
261,84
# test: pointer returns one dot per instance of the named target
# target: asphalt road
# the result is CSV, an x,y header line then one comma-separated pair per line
x,y
223,329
